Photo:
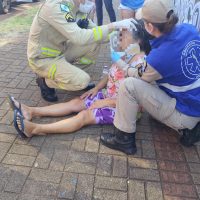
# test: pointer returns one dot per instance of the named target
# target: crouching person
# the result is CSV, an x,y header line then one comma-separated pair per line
x,y
175,101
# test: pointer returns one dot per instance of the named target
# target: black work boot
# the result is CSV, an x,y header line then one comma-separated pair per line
x,y
190,137
48,94
89,87
120,140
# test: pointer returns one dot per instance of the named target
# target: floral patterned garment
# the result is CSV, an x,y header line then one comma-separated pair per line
x,y
115,77
106,115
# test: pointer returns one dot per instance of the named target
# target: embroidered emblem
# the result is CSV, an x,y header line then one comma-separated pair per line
x,y
64,8
69,17
190,60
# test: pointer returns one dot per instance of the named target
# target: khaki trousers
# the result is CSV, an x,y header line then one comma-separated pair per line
x,y
60,73
156,102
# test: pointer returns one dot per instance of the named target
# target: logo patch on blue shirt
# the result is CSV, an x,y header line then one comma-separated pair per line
x,y
190,60
64,8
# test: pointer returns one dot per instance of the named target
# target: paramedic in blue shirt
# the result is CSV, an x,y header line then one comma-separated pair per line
x,y
174,64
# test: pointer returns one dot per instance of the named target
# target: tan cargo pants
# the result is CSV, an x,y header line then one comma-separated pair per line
x,y
156,102
60,73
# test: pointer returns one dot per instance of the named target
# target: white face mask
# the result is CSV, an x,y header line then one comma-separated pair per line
x,y
86,7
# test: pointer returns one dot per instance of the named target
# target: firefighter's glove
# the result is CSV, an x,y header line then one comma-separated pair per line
x,y
83,23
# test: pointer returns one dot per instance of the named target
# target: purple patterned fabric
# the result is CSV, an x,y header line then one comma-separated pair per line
x,y
102,115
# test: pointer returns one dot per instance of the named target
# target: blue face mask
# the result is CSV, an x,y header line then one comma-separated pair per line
x,y
116,56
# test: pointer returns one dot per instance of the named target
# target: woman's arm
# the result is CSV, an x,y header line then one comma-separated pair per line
x,y
146,73
104,103
100,85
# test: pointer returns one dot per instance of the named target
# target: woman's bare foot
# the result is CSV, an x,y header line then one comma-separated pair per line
x,y
26,111
30,128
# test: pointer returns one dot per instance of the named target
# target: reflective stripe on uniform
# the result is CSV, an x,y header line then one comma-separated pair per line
x,y
61,85
175,88
98,35
108,37
30,61
86,61
50,52
52,71
84,16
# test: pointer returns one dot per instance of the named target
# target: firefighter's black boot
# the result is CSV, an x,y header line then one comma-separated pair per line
x,y
120,141
48,94
190,137
89,87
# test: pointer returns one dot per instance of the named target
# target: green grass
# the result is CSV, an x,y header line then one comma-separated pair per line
x,y
19,23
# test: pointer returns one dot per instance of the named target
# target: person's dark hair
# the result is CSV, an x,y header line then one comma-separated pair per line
x,y
169,25
143,36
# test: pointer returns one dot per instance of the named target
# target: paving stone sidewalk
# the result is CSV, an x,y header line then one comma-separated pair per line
x,y
77,166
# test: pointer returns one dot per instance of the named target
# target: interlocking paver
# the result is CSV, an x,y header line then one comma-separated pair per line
x,y
92,143
144,174
168,197
45,175
196,178
175,177
154,191
142,163
77,166
24,150
39,188
67,187
4,147
103,194
7,118
198,190
191,154
78,143
171,155
119,166
44,158
7,137
58,160
84,187
16,179
5,174
56,144
112,183
36,141
34,197
148,149
104,165
173,166
8,196
194,167
136,190
179,190
15,159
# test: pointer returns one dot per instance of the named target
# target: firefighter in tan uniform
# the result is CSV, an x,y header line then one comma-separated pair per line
x,y
56,44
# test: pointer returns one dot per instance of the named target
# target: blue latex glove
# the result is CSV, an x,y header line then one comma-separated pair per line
x,y
115,56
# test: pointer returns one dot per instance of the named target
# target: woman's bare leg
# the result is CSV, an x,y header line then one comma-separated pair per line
x,y
56,110
69,125
126,14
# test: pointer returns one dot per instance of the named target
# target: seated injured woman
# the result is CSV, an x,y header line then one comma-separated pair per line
x,y
96,106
